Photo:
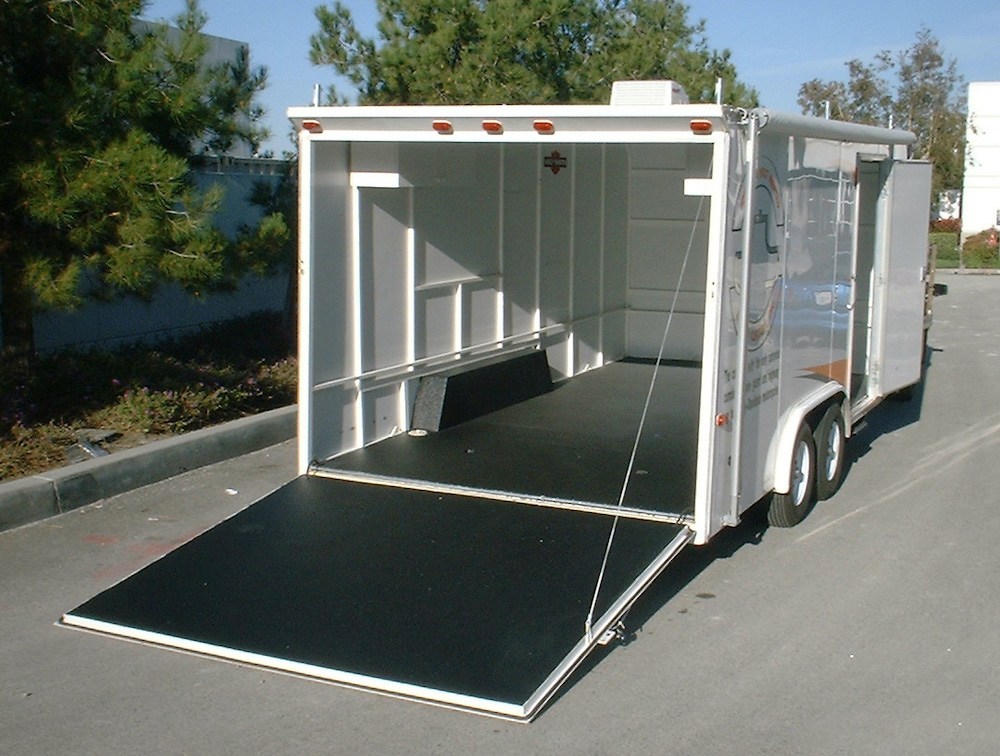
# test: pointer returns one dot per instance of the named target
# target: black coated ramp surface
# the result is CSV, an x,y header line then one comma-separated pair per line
x,y
461,601
572,443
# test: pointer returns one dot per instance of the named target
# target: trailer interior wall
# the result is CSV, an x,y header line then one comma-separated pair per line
x,y
667,254
458,252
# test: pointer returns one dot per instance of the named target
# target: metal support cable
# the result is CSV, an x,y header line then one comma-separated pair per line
x,y
642,420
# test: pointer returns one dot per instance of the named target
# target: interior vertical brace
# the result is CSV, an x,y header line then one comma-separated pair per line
x,y
499,328
537,325
410,340
357,315
307,377
601,254
572,335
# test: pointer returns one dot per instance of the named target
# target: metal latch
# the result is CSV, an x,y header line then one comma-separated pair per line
x,y
617,632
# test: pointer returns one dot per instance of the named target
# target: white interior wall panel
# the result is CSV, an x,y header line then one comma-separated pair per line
x,y
335,422
645,333
657,259
479,313
381,413
463,246
588,236
556,240
384,216
663,224
326,323
435,322
521,167
616,199
332,329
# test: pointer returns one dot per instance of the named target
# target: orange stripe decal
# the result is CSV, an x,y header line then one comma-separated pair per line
x,y
835,371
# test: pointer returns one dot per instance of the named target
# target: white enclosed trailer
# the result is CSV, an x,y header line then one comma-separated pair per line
x,y
542,348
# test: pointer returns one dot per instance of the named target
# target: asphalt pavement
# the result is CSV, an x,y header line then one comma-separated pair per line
x,y
871,628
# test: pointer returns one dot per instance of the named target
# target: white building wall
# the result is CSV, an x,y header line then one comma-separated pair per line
x,y
219,50
981,190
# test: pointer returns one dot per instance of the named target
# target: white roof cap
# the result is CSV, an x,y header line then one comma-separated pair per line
x,y
664,92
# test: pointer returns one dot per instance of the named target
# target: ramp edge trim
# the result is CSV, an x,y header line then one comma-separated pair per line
x,y
614,613
382,686
426,486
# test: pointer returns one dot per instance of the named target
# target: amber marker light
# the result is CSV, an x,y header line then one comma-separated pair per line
x,y
442,127
701,127
493,127
313,127
545,127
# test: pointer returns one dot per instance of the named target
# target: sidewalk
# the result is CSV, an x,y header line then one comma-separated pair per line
x,y
29,499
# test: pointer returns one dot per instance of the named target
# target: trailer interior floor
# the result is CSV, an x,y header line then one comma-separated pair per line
x,y
569,445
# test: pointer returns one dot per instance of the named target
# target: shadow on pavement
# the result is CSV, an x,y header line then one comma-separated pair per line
x,y
898,411
690,563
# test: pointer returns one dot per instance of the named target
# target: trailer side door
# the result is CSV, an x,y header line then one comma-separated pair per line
x,y
901,280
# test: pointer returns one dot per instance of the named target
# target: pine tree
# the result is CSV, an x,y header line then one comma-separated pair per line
x,y
520,51
100,119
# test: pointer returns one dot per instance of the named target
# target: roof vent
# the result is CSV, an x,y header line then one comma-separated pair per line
x,y
648,93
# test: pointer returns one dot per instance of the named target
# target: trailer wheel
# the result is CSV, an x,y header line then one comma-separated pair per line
x,y
830,439
790,508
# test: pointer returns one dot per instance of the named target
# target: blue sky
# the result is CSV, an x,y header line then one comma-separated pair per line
x,y
776,44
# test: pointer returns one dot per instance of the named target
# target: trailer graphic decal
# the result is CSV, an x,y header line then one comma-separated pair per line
x,y
555,162
835,371
765,278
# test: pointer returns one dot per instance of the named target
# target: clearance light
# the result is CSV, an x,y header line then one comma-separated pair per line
x,y
545,127
701,127
493,127
442,127
313,127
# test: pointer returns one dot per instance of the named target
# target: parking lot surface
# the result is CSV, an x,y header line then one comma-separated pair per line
x,y
872,627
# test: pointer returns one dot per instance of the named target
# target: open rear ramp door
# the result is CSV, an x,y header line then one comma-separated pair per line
x,y
452,599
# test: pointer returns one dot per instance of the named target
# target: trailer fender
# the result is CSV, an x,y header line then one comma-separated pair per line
x,y
783,443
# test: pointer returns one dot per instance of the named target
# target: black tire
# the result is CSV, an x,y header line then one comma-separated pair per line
x,y
830,438
790,508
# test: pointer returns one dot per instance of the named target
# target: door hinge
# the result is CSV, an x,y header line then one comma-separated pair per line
x,y
617,632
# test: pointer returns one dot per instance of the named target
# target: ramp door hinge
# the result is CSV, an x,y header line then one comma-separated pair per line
x,y
738,116
617,632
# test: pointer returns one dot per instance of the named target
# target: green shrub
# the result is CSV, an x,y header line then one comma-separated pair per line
x,y
980,250
221,373
947,248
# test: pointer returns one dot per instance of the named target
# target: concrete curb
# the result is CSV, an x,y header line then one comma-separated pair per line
x,y
29,499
